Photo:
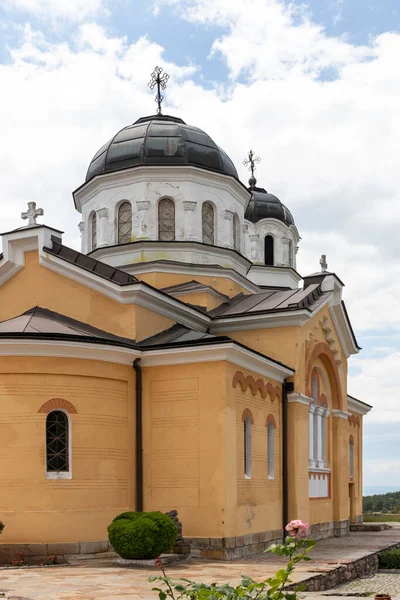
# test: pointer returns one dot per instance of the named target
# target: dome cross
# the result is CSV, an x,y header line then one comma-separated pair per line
x,y
32,213
251,162
161,82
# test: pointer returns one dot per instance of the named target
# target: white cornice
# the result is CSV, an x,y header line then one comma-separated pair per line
x,y
203,270
298,398
230,352
341,414
143,174
67,349
358,407
260,321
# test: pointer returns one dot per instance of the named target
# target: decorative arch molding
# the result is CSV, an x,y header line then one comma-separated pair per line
x,y
322,352
255,386
247,415
354,421
270,419
55,403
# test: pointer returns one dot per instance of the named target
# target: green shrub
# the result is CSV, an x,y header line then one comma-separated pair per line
x,y
389,559
142,535
1,526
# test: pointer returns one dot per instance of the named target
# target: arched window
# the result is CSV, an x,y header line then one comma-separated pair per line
x,y
247,447
271,450
57,442
351,454
166,220
124,223
315,395
94,231
207,223
236,232
269,250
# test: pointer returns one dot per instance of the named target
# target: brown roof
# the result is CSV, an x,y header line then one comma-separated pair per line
x,y
90,264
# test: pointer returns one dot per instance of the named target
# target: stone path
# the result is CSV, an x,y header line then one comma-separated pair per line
x,y
101,580
381,583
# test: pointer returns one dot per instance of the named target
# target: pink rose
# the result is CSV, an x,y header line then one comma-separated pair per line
x,y
298,529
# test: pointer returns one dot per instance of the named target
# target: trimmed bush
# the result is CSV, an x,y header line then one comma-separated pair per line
x,y
142,535
389,559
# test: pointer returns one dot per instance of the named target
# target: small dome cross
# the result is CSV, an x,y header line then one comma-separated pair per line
x,y
32,213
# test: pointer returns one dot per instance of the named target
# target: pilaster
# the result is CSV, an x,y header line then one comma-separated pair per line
x,y
189,208
298,409
143,209
102,216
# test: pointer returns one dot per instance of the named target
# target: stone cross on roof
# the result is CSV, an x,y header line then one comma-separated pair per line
x,y
32,213
323,263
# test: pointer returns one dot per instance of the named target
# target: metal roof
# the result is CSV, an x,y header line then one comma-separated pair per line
x,y
160,140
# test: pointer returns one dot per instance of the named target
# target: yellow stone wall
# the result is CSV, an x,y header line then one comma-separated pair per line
x,y
36,509
225,285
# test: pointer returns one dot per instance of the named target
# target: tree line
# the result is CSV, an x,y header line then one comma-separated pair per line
x,y
384,503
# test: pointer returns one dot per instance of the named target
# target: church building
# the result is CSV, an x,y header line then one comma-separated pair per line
x,y
178,361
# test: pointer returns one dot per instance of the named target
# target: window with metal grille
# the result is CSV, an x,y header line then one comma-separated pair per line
x,y
57,442
269,250
207,223
247,447
94,231
166,220
236,232
124,223
271,450
351,451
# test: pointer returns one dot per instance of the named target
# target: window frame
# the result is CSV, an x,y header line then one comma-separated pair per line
x,y
93,234
211,206
351,457
271,450
119,221
236,238
247,449
271,238
161,201
60,474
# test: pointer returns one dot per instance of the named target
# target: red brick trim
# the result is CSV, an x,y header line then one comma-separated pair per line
x,y
55,403
256,386
247,413
270,419
323,352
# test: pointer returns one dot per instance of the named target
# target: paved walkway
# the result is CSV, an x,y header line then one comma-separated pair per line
x,y
100,580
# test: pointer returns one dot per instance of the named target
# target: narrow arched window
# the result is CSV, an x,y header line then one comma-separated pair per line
x,y
94,231
271,450
269,250
124,223
57,442
316,417
247,447
166,220
207,223
236,232
351,452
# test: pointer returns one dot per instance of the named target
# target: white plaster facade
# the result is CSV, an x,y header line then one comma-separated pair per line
x,y
189,188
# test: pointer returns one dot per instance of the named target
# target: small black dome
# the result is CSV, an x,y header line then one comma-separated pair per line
x,y
263,205
160,140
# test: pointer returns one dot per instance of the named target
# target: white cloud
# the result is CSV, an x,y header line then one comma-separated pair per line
x,y
73,10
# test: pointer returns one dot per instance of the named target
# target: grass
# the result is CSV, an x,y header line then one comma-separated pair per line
x,y
381,518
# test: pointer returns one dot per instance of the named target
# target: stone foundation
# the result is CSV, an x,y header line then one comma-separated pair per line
x,y
320,531
41,552
232,548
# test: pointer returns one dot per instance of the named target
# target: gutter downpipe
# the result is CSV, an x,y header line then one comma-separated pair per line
x,y
287,386
139,436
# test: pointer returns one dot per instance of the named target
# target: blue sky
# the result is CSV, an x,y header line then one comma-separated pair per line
x,y
312,86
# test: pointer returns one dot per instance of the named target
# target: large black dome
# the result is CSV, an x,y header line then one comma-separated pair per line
x,y
263,205
160,140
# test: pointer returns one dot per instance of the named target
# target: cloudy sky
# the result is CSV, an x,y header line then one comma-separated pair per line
x,y
313,87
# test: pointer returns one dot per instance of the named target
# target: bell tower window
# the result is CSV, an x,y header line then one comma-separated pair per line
x,y
207,223
236,232
94,231
269,250
166,220
124,223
